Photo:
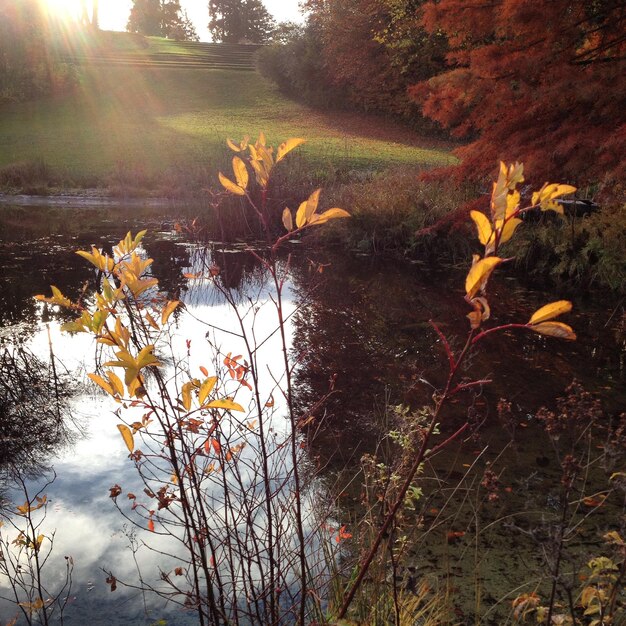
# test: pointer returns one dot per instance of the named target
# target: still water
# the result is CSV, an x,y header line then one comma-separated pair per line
x,y
362,323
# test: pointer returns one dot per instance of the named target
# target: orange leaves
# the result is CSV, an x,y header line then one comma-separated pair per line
x,y
342,533
237,370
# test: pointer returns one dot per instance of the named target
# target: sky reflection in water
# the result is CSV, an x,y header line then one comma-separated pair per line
x,y
86,523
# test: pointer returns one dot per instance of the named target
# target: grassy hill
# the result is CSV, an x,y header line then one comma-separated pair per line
x,y
158,112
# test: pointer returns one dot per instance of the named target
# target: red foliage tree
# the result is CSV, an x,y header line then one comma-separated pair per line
x,y
540,82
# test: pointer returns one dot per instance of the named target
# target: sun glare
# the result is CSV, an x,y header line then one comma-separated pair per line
x,y
64,9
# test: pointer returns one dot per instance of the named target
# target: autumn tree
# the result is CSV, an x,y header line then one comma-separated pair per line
x,y
235,21
538,81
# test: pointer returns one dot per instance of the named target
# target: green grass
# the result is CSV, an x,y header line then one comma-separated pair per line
x,y
151,121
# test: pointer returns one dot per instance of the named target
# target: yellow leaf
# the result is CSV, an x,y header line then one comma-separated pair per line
x,y
554,329
102,383
127,436
261,172
287,220
229,185
287,146
168,310
498,196
311,204
301,215
261,140
330,214
485,232
512,203
186,395
102,262
225,403
206,388
151,321
57,298
146,358
116,383
232,146
241,172
479,274
509,229
550,311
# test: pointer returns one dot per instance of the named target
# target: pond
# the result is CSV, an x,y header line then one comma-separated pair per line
x,y
359,331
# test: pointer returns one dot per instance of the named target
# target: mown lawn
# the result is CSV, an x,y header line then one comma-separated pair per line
x,y
156,120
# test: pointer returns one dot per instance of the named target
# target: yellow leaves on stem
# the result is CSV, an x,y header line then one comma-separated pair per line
x,y
307,215
129,244
547,195
261,160
131,365
541,323
57,298
287,220
102,261
112,385
508,179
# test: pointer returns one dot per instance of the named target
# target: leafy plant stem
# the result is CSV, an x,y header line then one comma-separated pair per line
x,y
391,516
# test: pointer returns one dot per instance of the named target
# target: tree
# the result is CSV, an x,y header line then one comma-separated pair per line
x,y
29,65
145,17
538,81
240,20
161,18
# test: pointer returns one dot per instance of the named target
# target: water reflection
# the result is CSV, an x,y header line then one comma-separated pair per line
x,y
364,334
35,421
